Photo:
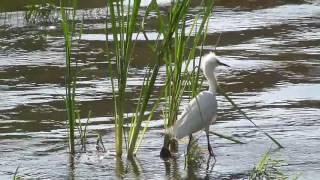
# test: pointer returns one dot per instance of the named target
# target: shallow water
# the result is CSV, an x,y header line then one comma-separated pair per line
x,y
273,50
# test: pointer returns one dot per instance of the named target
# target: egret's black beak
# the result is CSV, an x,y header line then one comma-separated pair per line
x,y
223,64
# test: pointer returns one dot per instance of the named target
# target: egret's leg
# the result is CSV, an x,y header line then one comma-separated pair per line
x,y
209,145
189,144
190,139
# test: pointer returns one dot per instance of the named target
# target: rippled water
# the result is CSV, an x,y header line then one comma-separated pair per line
x,y
273,50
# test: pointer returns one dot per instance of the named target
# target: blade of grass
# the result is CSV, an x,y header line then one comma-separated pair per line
x,y
117,100
147,125
70,80
226,137
15,175
221,91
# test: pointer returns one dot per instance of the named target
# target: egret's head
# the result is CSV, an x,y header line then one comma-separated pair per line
x,y
209,63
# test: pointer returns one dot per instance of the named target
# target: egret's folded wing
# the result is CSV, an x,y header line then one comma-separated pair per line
x,y
197,115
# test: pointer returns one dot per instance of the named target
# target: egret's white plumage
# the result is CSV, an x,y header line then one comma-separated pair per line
x,y
201,111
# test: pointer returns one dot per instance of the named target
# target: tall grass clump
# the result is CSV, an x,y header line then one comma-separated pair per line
x,y
173,38
123,24
70,74
176,14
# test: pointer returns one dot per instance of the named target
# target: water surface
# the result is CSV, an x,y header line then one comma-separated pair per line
x,y
273,50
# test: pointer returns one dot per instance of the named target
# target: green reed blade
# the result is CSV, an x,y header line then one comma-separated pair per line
x,y
69,79
247,117
230,138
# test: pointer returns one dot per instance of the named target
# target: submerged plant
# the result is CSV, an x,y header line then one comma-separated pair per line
x,y
99,144
82,130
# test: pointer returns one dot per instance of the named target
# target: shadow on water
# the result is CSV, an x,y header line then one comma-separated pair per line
x,y
123,168
196,164
131,167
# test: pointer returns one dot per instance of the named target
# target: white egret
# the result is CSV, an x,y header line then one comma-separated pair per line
x,y
201,111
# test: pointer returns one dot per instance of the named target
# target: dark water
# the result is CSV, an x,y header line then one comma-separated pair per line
x,y
273,48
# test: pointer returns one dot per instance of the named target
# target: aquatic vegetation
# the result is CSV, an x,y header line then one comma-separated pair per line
x,y
15,175
222,92
123,26
99,144
230,138
123,49
268,168
42,13
194,155
82,130
70,75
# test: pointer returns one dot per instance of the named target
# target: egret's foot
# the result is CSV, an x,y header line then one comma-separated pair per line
x,y
165,153
211,152
209,164
173,146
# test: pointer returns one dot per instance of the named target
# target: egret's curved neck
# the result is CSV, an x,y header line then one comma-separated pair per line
x,y
212,83
209,74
